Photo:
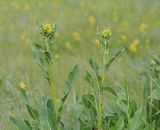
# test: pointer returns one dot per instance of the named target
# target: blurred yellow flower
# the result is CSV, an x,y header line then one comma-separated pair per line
x,y
68,45
82,4
97,43
133,46
91,20
57,56
27,7
47,28
15,5
77,36
22,85
143,27
106,32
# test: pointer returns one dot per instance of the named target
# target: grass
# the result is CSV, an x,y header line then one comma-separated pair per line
x,y
17,32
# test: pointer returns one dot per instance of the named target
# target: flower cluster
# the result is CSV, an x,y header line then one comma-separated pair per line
x,y
46,29
106,33
133,46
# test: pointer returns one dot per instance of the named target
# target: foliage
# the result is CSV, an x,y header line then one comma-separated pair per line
x,y
102,108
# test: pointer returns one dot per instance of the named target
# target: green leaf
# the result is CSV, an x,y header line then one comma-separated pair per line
x,y
72,75
40,58
33,113
94,65
108,89
21,125
119,125
89,79
146,89
137,121
48,57
84,125
89,102
107,65
37,53
48,119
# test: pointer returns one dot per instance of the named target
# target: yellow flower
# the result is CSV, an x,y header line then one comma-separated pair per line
x,y
26,7
136,42
77,36
68,45
91,20
133,46
82,4
97,43
47,28
57,56
143,27
106,33
16,5
22,85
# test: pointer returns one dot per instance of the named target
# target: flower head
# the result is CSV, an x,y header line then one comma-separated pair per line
x,y
22,85
133,46
143,27
106,33
46,28
77,36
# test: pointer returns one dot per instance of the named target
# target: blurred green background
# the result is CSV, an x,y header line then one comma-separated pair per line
x,y
136,22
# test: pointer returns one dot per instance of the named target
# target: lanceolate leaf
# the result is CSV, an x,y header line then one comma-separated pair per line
x,y
137,121
69,82
40,58
108,89
119,125
107,65
33,113
48,119
21,125
89,79
95,67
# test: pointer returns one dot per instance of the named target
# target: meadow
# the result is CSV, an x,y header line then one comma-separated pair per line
x,y
132,22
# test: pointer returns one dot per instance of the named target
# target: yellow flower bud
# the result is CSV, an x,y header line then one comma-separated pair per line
x,y
106,33
22,85
47,28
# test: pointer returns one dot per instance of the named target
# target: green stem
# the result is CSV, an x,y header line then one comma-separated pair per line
x,y
100,112
100,99
151,100
53,94
52,88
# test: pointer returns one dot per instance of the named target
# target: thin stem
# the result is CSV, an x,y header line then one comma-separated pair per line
x,y
100,98
100,112
128,99
53,94
150,110
52,88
